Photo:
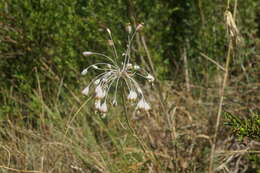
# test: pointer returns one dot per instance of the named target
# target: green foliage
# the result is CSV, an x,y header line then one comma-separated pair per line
x,y
41,45
244,127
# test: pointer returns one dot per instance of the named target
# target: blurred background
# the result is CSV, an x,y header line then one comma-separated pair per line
x,y
46,126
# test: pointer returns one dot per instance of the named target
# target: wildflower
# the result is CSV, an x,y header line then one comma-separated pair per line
x,y
143,105
97,104
132,95
103,108
150,78
137,67
85,71
85,91
100,93
111,73
97,81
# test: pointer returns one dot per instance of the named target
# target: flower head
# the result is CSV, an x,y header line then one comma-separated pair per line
x,y
143,105
111,73
132,95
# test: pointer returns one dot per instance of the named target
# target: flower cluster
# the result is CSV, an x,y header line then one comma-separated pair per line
x,y
110,74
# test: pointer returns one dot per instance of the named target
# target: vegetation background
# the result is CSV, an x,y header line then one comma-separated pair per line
x,y
46,125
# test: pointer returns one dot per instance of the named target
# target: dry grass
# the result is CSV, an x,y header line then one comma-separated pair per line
x,y
72,138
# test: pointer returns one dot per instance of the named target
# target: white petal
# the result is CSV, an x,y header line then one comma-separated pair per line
x,y
132,95
99,92
150,78
114,103
103,108
85,71
95,67
97,81
143,105
97,104
108,30
136,67
85,91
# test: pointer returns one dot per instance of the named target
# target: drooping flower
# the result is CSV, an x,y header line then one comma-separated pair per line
x,y
132,95
100,93
150,78
103,107
143,105
85,91
112,73
97,104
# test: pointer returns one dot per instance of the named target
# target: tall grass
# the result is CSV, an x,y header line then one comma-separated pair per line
x,y
47,125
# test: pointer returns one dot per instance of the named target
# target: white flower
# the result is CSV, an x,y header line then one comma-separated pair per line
x,y
87,53
150,78
103,108
100,93
109,66
85,91
97,104
132,95
111,73
85,71
114,103
95,67
136,67
97,81
129,66
143,105
108,30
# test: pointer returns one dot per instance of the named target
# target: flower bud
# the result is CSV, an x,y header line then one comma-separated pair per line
x,y
108,30
87,53
97,104
143,105
85,91
139,27
99,92
150,78
84,72
103,108
132,95
136,67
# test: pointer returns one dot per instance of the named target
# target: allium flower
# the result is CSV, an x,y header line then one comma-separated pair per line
x,y
113,72
142,104
85,91
132,95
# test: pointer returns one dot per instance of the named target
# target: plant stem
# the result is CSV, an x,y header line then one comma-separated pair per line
x,y
128,123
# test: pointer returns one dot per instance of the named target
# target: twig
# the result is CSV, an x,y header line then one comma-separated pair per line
x,y
211,60
66,131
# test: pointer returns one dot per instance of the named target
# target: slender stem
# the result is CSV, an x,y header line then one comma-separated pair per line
x,y
72,119
128,123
